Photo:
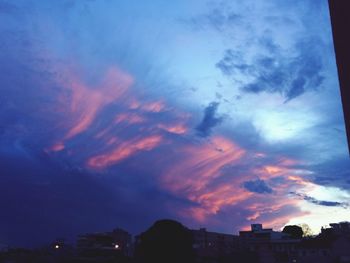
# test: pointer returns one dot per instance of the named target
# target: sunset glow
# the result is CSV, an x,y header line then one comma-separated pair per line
x,y
216,113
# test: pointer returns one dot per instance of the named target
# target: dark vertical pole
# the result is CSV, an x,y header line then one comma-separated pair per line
x,y
340,19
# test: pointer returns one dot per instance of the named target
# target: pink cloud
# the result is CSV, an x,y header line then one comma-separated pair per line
x,y
56,147
130,118
178,128
87,102
156,106
82,102
123,151
193,174
196,171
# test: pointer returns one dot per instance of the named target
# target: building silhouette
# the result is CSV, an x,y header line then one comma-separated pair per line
x,y
170,241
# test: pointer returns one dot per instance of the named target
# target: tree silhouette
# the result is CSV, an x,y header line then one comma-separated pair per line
x,y
166,241
294,231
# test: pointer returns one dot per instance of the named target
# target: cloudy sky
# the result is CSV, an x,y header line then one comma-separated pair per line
x,y
217,114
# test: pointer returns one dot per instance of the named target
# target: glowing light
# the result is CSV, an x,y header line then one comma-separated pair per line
x,y
282,125
116,246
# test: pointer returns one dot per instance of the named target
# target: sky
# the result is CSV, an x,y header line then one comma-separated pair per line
x,y
218,114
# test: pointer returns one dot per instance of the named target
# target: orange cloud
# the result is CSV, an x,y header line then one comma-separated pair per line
x,y
281,169
298,180
274,170
123,151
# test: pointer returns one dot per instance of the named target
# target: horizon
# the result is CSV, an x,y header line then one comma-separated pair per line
x,y
72,242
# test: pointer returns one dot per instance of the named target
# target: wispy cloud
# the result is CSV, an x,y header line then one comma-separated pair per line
x,y
288,75
320,202
123,151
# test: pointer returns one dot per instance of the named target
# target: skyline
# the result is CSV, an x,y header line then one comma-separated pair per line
x,y
215,114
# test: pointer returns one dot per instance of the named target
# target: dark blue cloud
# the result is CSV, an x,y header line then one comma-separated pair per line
x,y
297,88
44,198
257,186
333,172
288,75
326,203
320,202
232,63
210,120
